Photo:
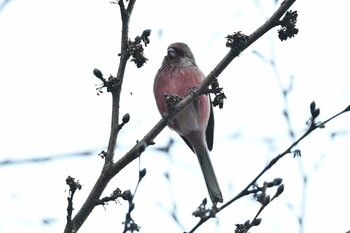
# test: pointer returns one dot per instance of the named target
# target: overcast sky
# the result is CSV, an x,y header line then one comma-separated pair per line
x,y
49,107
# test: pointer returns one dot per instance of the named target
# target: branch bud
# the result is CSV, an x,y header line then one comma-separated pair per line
x,y
98,73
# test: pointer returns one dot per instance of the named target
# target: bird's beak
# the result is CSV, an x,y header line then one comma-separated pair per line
x,y
171,53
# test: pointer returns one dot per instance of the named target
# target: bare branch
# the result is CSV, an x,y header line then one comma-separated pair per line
x,y
106,176
124,56
246,191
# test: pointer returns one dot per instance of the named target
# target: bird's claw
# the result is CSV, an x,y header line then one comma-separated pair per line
x,y
171,101
192,91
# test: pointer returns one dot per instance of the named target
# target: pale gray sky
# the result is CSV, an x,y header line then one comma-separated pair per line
x,y
49,106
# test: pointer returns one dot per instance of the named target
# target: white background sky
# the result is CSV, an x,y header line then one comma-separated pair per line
x,y
49,106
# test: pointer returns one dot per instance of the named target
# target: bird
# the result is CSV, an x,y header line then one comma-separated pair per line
x,y
177,77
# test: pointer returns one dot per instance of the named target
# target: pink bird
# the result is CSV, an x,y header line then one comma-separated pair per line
x,y
177,76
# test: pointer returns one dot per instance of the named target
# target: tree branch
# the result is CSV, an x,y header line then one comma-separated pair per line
x,y
246,190
106,176
124,56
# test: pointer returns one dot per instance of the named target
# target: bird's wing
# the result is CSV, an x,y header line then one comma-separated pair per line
x,y
209,133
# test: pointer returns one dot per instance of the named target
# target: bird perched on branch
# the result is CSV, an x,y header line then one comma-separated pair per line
x,y
175,79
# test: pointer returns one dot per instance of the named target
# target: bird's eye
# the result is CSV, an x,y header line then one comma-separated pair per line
x,y
182,54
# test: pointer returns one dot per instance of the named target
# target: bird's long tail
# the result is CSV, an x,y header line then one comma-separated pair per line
x,y
209,175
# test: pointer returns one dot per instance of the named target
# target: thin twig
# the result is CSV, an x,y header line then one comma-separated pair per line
x,y
106,176
246,190
124,56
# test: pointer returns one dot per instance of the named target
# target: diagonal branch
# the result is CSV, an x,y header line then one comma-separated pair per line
x,y
246,190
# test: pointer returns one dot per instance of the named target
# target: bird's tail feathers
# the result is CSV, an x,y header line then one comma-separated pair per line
x,y
209,176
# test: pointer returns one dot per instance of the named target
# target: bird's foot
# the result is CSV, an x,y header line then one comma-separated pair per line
x,y
171,101
192,91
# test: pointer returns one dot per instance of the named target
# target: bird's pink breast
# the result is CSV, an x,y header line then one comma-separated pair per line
x,y
180,81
